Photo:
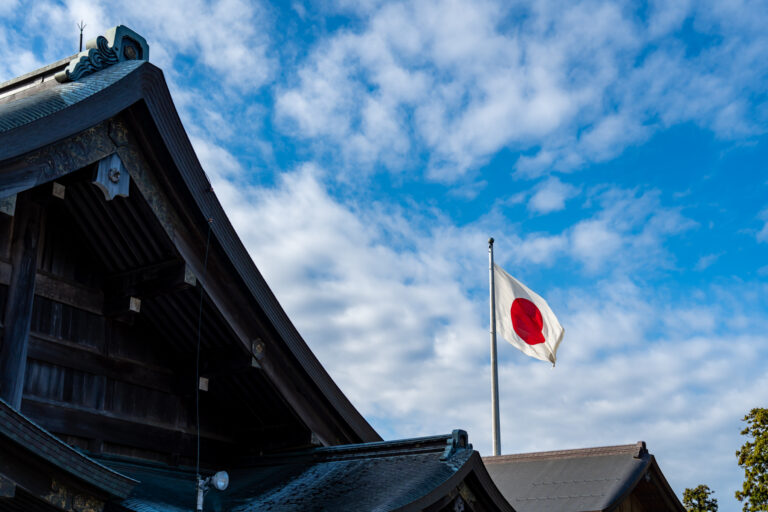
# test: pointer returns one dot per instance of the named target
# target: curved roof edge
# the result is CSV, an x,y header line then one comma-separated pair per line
x,y
472,469
28,435
145,83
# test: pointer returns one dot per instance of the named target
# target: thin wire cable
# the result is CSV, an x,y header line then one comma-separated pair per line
x,y
197,357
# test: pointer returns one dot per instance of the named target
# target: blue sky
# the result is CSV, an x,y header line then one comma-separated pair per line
x,y
365,151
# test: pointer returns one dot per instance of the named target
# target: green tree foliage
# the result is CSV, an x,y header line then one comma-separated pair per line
x,y
753,457
699,500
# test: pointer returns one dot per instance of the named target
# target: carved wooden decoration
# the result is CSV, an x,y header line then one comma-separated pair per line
x,y
112,177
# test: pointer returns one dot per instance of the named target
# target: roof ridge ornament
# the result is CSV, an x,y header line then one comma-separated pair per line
x,y
459,441
118,44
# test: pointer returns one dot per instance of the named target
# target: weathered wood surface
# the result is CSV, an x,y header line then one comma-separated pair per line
x,y
124,431
226,291
21,293
56,160
135,379
55,288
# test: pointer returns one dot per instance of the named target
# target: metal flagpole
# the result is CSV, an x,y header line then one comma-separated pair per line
x,y
494,366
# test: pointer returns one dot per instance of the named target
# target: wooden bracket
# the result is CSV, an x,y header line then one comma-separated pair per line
x,y
112,177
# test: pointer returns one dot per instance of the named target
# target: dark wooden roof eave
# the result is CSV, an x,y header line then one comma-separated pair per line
x,y
147,84
19,430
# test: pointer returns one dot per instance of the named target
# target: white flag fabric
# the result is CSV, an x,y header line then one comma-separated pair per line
x,y
524,319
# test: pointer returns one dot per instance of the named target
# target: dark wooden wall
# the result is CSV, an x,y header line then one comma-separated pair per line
x,y
108,385
114,381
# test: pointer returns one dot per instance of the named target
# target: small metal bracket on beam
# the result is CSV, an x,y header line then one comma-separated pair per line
x,y
58,190
8,205
112,177
257,352
122,308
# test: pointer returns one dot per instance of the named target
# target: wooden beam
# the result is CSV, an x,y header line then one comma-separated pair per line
x,y
56,160
161,278
78,357
21,294
72,294
59,290
123,431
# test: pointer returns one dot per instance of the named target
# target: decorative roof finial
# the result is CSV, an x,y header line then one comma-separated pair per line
x,y
116,45
81,26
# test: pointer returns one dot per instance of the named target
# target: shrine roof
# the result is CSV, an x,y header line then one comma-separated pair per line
x,y
410,474
64,108
594,479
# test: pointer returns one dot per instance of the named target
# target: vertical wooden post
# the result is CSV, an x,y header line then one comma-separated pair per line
x,y
21,294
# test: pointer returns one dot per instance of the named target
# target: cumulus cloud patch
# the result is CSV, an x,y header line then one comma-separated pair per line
x,y
577,81
550,196
404,331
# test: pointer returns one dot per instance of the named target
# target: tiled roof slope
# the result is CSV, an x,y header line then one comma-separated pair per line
x,y
49,96
380,476
591,479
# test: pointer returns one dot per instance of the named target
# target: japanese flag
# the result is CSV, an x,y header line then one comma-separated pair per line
x,y
524,319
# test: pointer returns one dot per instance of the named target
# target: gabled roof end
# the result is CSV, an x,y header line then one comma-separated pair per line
x,y
118,44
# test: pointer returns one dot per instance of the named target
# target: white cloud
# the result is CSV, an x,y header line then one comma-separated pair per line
x,y
573,82
594,241
228,39
8,6
551,195
392,298
393,305
706,261
762,235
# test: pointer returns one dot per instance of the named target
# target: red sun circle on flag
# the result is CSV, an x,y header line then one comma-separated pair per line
x,y
527,321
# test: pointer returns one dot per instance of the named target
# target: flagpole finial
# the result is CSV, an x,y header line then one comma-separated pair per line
x,y
490,241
